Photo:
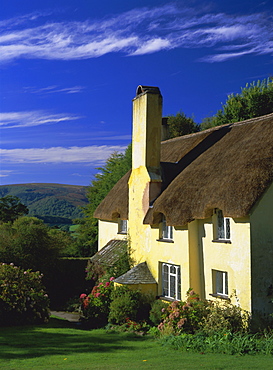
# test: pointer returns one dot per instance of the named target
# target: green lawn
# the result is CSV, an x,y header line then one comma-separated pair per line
x,y
60,345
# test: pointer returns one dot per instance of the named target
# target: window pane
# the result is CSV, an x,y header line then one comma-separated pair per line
x,y
226,283
165,280
227,221
219,282
172,287
220,224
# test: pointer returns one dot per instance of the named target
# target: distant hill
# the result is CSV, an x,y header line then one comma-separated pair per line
x,y
56,204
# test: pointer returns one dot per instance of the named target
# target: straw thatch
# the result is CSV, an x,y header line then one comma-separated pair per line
x,y
115,204
227,167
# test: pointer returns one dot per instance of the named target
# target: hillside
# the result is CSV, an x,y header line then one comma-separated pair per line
x,y
56,204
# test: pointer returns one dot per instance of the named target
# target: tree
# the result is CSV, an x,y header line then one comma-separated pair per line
x,y
255,99
11,208
117,165
29,244
180,125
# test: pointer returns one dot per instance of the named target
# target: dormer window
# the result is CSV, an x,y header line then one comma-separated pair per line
x,y
166,232
122,226
222,227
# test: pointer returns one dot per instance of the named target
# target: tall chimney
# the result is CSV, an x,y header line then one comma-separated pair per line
x,y
147,118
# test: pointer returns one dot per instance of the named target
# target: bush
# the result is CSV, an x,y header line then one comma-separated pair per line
x,y
157,309
223,317
125,305
22,296
207,316
95,306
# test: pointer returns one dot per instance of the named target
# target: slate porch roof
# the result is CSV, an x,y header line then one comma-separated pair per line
x,y
140,274
110,253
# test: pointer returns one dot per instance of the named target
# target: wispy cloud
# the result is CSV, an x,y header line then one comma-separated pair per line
x,y
32,118
54,89
5,173
94,154
136,32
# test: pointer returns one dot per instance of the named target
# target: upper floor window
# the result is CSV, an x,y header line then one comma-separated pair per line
x,y
122,226
171,281
166,231
222,226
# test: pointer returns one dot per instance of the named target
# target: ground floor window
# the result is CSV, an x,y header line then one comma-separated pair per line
x,y
171,281
220,283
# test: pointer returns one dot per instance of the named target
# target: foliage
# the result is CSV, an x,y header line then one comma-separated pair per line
x,y
208,316
182,316
96,306
180,124
222,342
30,244
158,306
11,208
124,305
56,204
117,165
255,99
22,296
96,270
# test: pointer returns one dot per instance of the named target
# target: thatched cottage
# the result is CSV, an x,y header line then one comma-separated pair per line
x,y
197,209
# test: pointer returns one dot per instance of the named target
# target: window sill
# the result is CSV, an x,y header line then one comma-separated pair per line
x,y
218,295
227,241
165,240
168,299
121,233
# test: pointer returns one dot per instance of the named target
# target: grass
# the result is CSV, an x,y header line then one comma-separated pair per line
x,y
62,345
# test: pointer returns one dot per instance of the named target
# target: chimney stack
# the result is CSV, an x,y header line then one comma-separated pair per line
x,y
147,119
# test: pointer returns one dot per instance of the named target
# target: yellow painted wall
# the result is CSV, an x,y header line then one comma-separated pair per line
x,y
262,253
108,230
234,258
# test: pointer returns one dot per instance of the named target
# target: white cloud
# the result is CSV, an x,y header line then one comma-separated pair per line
x,y
32,118
5,173
136,32
55,155
55,89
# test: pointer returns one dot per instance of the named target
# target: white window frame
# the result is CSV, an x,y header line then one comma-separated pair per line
x,y
122,226
166,231
222,226
171,281
220,283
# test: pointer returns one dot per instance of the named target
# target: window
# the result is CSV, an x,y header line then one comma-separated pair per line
x,y
166,231
223,226
171,281
122,226
220,283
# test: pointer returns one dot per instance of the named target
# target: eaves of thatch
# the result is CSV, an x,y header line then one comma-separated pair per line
x,y
227,167
115,204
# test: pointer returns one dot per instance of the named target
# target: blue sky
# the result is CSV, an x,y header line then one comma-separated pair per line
x,y
69,70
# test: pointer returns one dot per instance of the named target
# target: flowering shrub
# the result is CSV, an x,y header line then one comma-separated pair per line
x,y
95,306
206,316
22,296
182,316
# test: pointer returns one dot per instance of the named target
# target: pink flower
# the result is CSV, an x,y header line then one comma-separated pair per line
x,y
112,278
107,283
82,296
97,295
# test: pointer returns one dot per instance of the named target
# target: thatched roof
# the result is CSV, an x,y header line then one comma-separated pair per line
x,y
227,167
140,274
115,204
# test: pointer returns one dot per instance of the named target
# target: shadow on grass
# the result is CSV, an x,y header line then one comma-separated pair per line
x,y
59,337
